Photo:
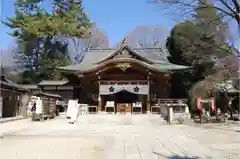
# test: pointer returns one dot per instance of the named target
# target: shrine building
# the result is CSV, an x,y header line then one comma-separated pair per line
x,y
121,78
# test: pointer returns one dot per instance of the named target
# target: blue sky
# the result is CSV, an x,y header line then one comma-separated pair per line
x,y
115,17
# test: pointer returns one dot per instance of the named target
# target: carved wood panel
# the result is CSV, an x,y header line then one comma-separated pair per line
x,y
124,77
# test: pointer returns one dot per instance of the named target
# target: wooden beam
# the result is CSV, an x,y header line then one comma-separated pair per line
x,y
106,68
121,76
79,75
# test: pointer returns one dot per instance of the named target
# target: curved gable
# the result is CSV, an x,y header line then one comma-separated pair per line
x,y
125,52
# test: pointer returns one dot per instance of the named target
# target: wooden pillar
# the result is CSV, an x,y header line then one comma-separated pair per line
x,y
99,96
169,114
167,86
1,106
148,105
148,98
99,103
25,99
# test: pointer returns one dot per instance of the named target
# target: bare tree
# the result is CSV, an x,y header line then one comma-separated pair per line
x,y
8,62
227,70
79,47
6,57
146,36
226,8
224,80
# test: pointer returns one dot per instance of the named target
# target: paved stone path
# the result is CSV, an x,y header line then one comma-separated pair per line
x,y
4,120
227,126
115,137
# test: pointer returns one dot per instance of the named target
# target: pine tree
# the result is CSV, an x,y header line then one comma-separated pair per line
x,y
196,43
36,31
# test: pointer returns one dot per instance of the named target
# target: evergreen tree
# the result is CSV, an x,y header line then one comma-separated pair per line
x,y
197,43
36,31
226,8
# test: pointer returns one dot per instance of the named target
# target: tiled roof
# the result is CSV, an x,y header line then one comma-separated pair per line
x,y
47,94
155,55
30,86
52,82
7,82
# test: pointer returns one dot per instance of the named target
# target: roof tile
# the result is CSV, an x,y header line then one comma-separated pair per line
x,y
156,55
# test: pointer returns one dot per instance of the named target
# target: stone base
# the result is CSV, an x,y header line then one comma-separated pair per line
x,y
181,115
101,112
127,113
109,112
4,120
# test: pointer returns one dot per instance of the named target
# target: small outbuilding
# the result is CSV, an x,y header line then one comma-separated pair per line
x,y
13,97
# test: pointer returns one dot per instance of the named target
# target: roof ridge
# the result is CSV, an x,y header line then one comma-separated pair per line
x,y
121,49
134,48
54,80
146,48
102,49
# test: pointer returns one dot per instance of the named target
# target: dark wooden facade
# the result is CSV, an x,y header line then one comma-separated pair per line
x,y
121,69
61,88
13,99
66,91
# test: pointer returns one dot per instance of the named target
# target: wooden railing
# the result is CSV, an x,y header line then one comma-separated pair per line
x,y
124,82
172,101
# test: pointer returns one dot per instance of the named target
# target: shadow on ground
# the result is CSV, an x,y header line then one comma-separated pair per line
x,y
180,157
175,156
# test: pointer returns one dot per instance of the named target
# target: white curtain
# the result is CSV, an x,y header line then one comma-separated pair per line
x,y
112,89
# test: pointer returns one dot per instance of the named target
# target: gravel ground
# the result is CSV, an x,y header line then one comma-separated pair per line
x,y
114,136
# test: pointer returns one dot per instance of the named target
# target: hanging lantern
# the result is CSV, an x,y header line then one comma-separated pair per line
x,y
95,97
166,74
153,97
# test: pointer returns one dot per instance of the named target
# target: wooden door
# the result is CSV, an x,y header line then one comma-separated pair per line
x,y
128,108
121,108
124,108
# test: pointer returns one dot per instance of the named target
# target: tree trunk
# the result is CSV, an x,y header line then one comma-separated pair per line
x,y
238,21
230,111
238,115
238,28
227,108
200,116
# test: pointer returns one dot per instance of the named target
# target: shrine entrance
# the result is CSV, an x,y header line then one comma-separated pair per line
x,y
125,102
125,99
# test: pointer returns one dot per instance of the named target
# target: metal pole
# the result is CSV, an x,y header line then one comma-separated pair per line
x,y
1,107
